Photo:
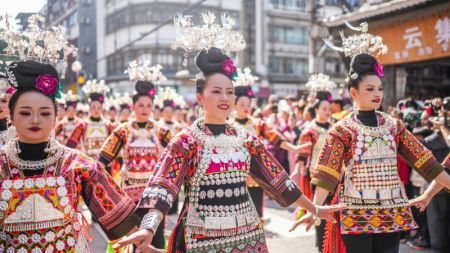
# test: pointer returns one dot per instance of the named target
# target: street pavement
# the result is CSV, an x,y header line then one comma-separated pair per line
x,y
278,220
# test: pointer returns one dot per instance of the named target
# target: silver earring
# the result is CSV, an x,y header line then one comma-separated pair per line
x,y
11,135
201,113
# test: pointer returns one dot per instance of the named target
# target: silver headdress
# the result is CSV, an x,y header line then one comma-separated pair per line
x,y
196,38
142,71
320,82
359,43
5,88
93,86
245,78
123,99
35,43
70,97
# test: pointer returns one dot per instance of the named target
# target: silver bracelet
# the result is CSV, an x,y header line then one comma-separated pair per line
x,y
151,220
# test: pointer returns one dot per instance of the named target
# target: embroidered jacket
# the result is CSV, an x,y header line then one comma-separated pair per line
x,y
218,212
367,159
91,134
141,149
263,131
64,129
40,213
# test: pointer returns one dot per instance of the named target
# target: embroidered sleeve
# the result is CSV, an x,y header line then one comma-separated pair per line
x,y
270,134
112,207
416,155
76,135
327,171
305,154
175,163
270,175
113,145
164,136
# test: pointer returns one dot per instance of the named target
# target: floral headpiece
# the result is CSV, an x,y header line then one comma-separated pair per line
x,y
44,46
208,35
165,95
94,87
142,71
320,82
123,100
359,43
245,78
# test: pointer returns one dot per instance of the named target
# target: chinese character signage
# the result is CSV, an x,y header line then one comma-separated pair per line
x,y
421,39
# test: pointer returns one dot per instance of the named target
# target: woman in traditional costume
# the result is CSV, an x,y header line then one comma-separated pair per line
x,y
359,157
212,159
42,181
141,140
92,132
65,127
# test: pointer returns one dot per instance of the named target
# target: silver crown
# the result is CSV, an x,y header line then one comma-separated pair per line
x,y
359,43
320,82
142,71
245,77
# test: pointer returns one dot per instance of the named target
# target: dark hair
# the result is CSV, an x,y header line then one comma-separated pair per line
x,y
317,103
209,61
15,97
311,110
24,75
243,91
340,102
142,89
361,65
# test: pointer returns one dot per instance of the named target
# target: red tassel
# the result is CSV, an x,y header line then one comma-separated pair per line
x,y
332,240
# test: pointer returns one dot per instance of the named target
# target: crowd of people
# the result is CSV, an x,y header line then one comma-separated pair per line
x,y
354,172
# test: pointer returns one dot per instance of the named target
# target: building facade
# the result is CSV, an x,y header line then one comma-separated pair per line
x,y
79,19
120,22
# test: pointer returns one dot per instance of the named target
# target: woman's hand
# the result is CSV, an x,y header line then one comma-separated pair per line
x,y
420,202
142,239
324,212
299,148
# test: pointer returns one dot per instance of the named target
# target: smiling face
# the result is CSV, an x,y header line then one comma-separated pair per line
x,y
33,117
217,98
369,94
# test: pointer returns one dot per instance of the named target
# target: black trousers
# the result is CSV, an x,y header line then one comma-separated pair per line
x,y
372,243
438,214
257,195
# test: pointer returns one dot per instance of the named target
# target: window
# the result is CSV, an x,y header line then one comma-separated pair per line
x,y
290,35
333,66
290,5
290,66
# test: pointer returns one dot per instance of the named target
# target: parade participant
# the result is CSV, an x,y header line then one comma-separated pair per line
x,y
141,139
212,160
243,107
314,132
64,128
6,92
41,181
111,111
167,104
361,152
124,101
93,131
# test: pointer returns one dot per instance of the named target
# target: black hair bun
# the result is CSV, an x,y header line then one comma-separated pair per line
x,y
168,103
363,64
210,61
23,74
324,95
96,97
145,88
241,91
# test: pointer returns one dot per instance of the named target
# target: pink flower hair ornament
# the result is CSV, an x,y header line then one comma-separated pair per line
x,y
378,69
152,92
228,68
10,90
49,85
